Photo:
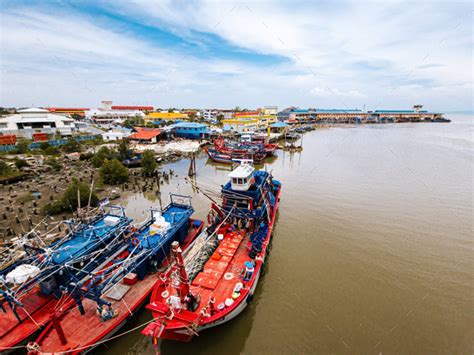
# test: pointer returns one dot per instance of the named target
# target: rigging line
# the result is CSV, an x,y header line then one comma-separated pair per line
x,y
121,231
108,339
29,315
208,238
126,305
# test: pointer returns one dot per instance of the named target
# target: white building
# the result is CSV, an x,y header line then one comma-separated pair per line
x,y
270,110
114,136
36,120
106,115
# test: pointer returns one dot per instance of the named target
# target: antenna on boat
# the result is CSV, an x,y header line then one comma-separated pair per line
x,y
78,200
90,196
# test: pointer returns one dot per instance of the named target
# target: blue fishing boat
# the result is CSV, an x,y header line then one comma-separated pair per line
x,y
115,290
31,286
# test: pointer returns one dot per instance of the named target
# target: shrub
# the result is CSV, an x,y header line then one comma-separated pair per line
x,y
22,147
44,145
72,146
20,163
113,172
5,169
86,156
51,151
53,163
99,157
148,162
69,200
124,151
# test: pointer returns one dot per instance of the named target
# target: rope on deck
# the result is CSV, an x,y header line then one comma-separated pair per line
x,y
35,346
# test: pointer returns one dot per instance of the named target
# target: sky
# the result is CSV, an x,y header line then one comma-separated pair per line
x,y
223,54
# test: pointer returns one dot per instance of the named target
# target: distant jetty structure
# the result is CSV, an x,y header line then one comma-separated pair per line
x,y
417,114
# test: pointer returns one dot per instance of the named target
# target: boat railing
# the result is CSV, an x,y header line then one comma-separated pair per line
x,y
183,200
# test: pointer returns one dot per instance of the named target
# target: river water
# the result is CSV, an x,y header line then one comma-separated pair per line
x,y
372,250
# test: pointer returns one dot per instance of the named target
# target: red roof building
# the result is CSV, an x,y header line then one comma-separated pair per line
x,y
146,135
81,111
246,113
131,108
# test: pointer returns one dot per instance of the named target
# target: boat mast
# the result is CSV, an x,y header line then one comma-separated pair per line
x,y
183,283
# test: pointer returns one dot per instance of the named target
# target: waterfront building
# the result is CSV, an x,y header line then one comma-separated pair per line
x,y
36,120
190,130
279,127
145,135
241,125
133,108
115,135
270,110
165,116
296,115
106,115
69,110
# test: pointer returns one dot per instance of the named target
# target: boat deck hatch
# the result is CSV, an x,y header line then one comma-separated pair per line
x,y
117,292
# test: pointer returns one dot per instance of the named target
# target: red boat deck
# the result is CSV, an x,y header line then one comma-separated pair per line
x,y
84,331
228,259
39,308
221,273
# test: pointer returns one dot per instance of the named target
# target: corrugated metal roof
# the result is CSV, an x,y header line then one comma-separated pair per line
x,y
189,125
146,134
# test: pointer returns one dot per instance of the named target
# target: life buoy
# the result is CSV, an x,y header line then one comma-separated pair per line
x,y
135,241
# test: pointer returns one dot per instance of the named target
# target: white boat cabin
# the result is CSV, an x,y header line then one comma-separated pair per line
x,y
241,177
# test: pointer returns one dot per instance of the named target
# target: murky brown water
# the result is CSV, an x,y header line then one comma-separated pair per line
x,y
372,251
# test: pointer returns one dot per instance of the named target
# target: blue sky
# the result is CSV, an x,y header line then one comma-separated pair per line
x,y
378,54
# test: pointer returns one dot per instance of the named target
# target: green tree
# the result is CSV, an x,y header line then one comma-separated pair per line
x,y
22,147
134,121
53,163
5,169
50,150
99,157
69,200
219,118
148,162
44,146
124,151
72,146
20,163
113,172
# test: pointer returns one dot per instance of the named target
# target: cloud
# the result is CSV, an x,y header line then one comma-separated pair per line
x,y
328,92
230,53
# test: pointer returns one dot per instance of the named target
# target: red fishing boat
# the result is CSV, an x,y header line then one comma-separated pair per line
x,y
120,286
233,157
257,146
215,280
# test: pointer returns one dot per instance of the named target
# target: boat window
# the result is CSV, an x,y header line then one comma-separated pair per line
x,y
234,180
245,180
240,181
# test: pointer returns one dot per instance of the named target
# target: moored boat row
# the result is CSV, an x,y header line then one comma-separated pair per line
x,y
95,279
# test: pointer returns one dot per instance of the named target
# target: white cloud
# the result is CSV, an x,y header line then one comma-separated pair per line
x,y
338,52
327,92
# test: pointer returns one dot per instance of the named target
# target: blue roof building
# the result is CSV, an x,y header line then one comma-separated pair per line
x,y
190,130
